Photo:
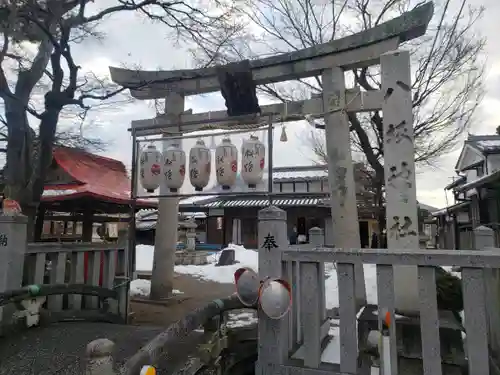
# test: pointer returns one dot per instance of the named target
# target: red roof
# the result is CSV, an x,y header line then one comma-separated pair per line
x,y
96,176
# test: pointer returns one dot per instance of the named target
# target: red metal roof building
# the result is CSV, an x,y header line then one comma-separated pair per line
x,y
79,174
83,184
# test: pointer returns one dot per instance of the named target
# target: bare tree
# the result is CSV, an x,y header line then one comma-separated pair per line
x,y
72,136
447,67
39,88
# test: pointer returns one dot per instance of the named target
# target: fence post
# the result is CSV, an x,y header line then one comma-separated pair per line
x,y
100,357
484,238
317,239
122,279
273,334
13,231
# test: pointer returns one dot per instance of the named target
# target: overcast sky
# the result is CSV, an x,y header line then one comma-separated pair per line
x,y
131,41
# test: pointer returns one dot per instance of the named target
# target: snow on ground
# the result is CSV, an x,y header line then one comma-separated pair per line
x,y
250,258
225,274
245,258
141,287
332,287
144,257
331,353
242,319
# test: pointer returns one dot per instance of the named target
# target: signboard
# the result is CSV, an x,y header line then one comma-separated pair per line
x,y
215,212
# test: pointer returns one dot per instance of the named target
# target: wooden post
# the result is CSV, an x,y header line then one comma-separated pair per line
x,y
100,357
162,276
122,278
13,231
87,225
484,238
474,211
237,231
399,166
317,238
273,334
341,172
40,217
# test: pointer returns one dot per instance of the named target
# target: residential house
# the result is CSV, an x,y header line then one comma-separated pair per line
x,y
233,218
475,191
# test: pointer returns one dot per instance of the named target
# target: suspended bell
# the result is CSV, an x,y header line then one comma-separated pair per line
x,y
283,137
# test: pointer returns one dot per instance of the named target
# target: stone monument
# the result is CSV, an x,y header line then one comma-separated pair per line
x,y
188,255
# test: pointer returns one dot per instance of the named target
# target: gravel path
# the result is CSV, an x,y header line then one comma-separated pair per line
x,y
60,348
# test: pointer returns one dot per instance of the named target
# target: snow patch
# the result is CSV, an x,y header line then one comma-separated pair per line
x,y
242,319
244,257
144,257
332,286
250,258
141,287
52,192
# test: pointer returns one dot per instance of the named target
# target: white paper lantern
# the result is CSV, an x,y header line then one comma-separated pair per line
x,y
174,167
226,164
199,165
150,168
253,156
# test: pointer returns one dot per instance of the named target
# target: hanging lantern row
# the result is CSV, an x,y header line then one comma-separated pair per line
x,y
171,166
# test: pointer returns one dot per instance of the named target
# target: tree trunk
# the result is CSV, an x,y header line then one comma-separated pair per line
x,y
27,163
379,201
19,151
30,211
18,168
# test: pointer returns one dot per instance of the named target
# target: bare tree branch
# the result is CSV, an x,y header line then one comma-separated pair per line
x,y
47,84
447,70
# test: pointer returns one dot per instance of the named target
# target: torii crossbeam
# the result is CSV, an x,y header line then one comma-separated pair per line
x,y
354,51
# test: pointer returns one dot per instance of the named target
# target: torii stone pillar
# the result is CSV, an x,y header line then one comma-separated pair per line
x,y
341,172
399,167
162,277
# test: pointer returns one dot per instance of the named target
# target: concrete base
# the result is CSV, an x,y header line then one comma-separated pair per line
x,y
187,258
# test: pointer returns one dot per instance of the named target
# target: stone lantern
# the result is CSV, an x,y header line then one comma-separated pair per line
x,y
190,226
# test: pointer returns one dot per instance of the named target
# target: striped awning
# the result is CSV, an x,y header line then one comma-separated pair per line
x,y
294,202
145,225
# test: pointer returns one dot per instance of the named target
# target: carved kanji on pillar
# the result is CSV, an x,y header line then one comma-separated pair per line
x,y
399,165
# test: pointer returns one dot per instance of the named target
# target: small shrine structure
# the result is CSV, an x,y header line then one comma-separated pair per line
x,y
83,189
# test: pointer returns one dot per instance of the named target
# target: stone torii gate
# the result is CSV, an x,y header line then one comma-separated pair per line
x,y
378,45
